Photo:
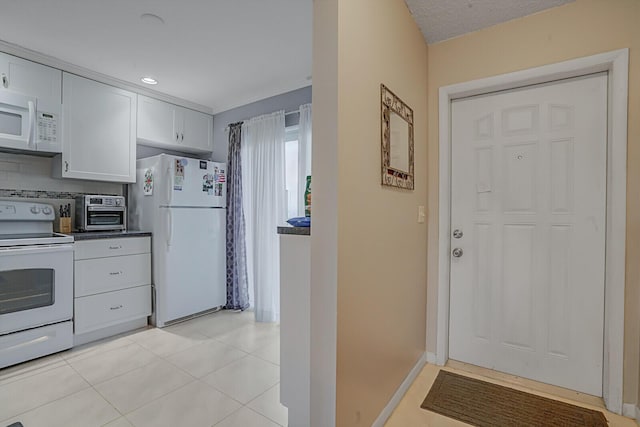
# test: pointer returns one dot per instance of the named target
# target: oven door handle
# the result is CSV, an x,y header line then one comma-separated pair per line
x,y
105,208
38,249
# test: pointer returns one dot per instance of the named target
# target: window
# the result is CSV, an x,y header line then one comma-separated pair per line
x,y
293,188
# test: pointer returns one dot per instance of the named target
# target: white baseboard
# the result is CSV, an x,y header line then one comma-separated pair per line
x,y
638,415
397,396
109,331
629,410
431,358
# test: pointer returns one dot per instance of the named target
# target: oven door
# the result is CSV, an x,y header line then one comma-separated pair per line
x,y
36,286
17,121
105,218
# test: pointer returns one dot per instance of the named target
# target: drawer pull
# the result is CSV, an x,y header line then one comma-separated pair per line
x,y
115,247
117,307
115,273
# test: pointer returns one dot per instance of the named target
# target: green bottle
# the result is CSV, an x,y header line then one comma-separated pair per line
x,y
307,198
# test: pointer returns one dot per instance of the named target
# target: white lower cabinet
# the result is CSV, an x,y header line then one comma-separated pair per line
x,y
99,275
295,326
112,281
103,310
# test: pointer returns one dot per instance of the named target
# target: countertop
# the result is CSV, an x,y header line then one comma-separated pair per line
x,y
299,231
93,235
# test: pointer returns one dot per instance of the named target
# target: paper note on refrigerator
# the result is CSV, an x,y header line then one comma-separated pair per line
x,y
207,183
147,186
178,179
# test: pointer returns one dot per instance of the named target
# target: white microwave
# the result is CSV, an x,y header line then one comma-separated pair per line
x,y
24,128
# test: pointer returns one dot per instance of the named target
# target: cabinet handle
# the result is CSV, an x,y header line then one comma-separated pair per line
x,y
115,273
182,136
5,80
115,247
66,166
177,136
117,307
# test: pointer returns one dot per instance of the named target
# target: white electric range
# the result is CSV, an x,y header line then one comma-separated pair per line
x,y
36,283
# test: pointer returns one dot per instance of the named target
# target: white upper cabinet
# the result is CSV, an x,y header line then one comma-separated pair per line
x,y
98,131
157,122
198,130
165,125
30,78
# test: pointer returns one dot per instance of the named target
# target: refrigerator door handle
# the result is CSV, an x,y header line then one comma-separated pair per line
x,y
169,227
169,187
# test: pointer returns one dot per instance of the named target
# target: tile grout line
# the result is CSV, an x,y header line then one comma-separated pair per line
x,y
123,373
97,391
54,400
262,394
47,403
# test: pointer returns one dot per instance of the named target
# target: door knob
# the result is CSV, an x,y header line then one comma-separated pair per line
x,y
457,233
457,253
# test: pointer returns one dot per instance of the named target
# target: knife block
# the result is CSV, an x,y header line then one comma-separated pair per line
x,y
63,225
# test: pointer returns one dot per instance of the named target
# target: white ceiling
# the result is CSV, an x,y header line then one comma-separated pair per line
x,y
443,19
217,53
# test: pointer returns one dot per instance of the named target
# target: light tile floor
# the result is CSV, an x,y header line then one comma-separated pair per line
x,y
409,414
217,370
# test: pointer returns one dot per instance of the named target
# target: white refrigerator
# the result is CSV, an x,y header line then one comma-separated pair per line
x,y
182,201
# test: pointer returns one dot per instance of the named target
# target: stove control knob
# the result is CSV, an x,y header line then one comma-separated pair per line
x,y
118,202
46,210
35,210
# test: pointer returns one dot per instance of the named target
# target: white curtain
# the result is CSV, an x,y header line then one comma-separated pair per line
x,y
304,153
265,208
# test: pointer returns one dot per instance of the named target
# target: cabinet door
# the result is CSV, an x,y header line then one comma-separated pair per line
x,y
98,131
157,122
111,308
198,131
29,78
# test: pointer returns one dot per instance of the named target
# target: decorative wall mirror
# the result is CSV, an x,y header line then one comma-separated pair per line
x,y
397,141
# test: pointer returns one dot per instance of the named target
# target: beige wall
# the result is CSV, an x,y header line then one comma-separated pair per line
x,y
582,28
381,269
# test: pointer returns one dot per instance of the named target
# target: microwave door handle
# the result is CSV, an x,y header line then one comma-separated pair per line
x,y
32,124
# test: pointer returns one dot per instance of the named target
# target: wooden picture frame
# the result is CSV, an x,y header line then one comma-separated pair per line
x,y
396,140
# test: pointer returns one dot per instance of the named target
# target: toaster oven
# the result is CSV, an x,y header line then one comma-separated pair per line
x,y
100,213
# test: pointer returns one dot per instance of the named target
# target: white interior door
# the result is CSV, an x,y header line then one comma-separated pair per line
x,y
528,196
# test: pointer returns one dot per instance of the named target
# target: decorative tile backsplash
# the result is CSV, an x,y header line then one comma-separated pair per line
x,y
39,194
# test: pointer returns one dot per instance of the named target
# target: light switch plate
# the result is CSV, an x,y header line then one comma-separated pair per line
x,y
421,215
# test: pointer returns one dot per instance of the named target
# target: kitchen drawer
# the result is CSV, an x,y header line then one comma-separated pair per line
x,y
87,249
97,275
103,310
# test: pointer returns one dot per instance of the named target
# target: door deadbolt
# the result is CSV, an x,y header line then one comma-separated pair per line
x,y
457,253
457,234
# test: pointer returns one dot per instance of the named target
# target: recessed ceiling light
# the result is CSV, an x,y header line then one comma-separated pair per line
x,y
149,80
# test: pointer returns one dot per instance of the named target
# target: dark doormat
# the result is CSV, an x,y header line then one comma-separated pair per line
x,y
483,404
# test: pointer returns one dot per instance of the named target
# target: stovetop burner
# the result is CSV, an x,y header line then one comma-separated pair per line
x,y
26,223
